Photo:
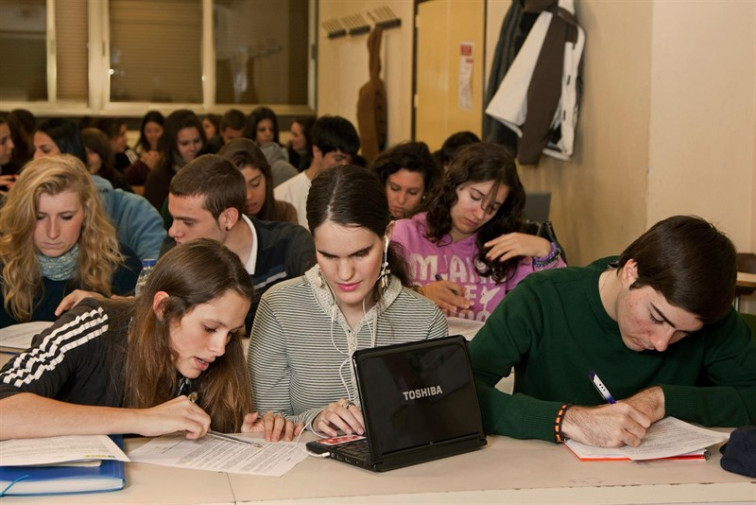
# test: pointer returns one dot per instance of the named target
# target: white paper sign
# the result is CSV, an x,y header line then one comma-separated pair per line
x,y
466,50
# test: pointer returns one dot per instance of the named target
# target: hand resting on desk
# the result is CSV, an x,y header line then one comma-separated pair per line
x,y
340,415
623,423
273,425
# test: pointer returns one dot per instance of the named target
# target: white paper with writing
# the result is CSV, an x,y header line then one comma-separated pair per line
x,y
210,453
666,438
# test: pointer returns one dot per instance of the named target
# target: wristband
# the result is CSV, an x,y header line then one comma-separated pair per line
x,y
559,437
548,259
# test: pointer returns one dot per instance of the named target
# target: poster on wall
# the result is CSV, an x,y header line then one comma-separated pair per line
x,y
466,50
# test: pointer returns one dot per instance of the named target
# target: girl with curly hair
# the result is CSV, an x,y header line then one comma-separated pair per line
x,y
468,250
54,238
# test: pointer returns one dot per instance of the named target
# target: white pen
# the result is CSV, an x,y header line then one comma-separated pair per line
x,y
603,390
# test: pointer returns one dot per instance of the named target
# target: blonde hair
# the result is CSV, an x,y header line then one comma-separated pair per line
x,y
99,252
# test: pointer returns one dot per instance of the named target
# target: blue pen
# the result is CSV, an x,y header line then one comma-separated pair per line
x,y
603,390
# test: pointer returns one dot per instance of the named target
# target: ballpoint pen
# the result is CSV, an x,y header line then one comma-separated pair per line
x,y
603,390
440,278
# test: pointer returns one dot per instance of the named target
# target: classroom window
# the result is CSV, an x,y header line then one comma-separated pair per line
x,y
156,51
121,57
261,51
44,51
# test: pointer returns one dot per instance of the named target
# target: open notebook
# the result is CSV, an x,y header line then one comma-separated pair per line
x,y
669,438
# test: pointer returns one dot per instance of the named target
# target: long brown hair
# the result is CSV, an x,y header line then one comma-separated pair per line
x,y
192,274
243,153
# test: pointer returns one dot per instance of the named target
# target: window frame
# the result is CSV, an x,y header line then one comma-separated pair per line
x,y
99,103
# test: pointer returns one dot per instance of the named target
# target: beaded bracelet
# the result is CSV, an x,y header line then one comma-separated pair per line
x,y
558,435
541,262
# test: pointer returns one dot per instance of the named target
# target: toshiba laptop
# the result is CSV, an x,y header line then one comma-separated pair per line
x,y
419,403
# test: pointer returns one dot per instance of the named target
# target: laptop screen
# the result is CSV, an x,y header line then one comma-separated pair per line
x,y
417,394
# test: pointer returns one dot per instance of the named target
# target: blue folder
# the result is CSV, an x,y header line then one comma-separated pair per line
x,y
40,480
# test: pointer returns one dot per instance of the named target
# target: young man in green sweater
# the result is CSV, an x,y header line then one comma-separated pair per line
x,y
656,324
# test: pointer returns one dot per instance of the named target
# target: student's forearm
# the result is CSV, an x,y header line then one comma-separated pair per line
x,y
27,415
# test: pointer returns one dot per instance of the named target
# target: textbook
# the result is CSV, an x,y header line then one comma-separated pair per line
x,y
669,438
89,472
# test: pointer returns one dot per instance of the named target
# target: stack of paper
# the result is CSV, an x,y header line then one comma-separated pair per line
x,y
669,438
61,465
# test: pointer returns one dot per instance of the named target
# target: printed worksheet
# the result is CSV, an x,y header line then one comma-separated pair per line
x,y
246,455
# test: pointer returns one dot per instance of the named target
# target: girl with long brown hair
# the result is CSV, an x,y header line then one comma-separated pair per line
x,y
170,360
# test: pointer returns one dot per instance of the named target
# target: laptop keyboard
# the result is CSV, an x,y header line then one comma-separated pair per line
x,y
358,450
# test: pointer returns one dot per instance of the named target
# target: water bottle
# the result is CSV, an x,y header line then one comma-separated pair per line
x,y
148,266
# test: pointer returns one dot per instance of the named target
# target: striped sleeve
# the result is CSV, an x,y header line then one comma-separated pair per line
x,y
268,369
44,368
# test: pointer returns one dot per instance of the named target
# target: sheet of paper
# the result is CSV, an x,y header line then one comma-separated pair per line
x,y
19,336
44,451
219,455
671,437
667,438
465,327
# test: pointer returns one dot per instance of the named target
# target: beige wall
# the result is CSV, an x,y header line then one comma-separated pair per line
x,y
343,64
442,27
703,114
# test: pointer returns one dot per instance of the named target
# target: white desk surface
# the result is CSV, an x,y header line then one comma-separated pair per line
x,y
506,470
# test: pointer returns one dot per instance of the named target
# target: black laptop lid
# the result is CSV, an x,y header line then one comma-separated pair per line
x,y
417,394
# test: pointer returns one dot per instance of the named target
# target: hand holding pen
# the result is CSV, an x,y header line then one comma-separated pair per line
x,y
612,425
446,294
178,414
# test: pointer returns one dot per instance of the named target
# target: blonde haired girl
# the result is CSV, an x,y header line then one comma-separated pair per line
x,y
54,238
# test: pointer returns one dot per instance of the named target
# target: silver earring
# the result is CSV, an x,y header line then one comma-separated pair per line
x,y
385,270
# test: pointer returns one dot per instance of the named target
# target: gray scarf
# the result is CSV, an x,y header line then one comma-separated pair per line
x,y
61,268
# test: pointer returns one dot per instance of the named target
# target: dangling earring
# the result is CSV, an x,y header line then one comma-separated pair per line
x,y
383,277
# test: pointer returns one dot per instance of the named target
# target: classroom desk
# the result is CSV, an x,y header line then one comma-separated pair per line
x,y
506,470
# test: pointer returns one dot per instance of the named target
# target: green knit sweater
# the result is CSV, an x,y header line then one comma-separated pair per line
x,y
554,330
